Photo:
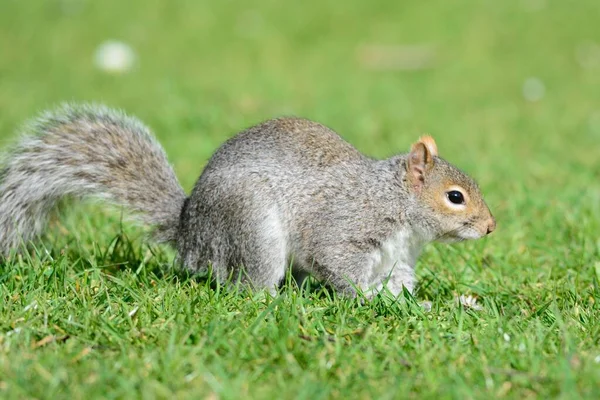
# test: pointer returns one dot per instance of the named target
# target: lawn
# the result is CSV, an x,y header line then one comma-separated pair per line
x,y
509,89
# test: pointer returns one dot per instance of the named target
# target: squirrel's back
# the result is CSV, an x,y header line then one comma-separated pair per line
x,y
291,161
289,140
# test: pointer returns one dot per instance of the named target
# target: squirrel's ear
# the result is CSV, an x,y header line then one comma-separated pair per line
x,y
429,143
420,160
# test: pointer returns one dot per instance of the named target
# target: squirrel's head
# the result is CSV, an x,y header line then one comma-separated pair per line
x,y
449,203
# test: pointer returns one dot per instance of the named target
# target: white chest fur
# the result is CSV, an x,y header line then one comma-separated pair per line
x,y
394,261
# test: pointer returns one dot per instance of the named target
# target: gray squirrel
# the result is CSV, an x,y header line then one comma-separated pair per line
x,y
286,192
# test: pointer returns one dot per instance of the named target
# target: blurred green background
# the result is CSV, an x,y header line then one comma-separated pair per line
x,y
381,73
509,89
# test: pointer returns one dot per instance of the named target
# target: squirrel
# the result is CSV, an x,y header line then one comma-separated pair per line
x,y
288,192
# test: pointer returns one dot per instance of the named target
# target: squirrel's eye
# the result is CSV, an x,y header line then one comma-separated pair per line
x,y
456,197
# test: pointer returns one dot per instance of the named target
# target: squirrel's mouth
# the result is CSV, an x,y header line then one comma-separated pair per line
x,y
459,235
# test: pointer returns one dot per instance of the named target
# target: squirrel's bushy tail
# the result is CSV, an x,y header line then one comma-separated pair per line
x,y
85,151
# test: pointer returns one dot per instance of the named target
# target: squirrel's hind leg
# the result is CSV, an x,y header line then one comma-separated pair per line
x,y
235,228
264,251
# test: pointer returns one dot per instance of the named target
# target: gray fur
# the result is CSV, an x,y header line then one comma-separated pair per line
x,y
292,190
85,151
287,191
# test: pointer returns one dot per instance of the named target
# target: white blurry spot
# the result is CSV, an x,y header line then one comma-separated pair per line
x,y
597,359
426,306
534,5
469,301
114,57
522,347
533,89
506,337
489,383
31,306
588,55
13,332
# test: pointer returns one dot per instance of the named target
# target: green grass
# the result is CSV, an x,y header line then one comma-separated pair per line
x,y
97,312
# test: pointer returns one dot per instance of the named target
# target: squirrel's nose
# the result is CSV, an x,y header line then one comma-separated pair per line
x,y
491,226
